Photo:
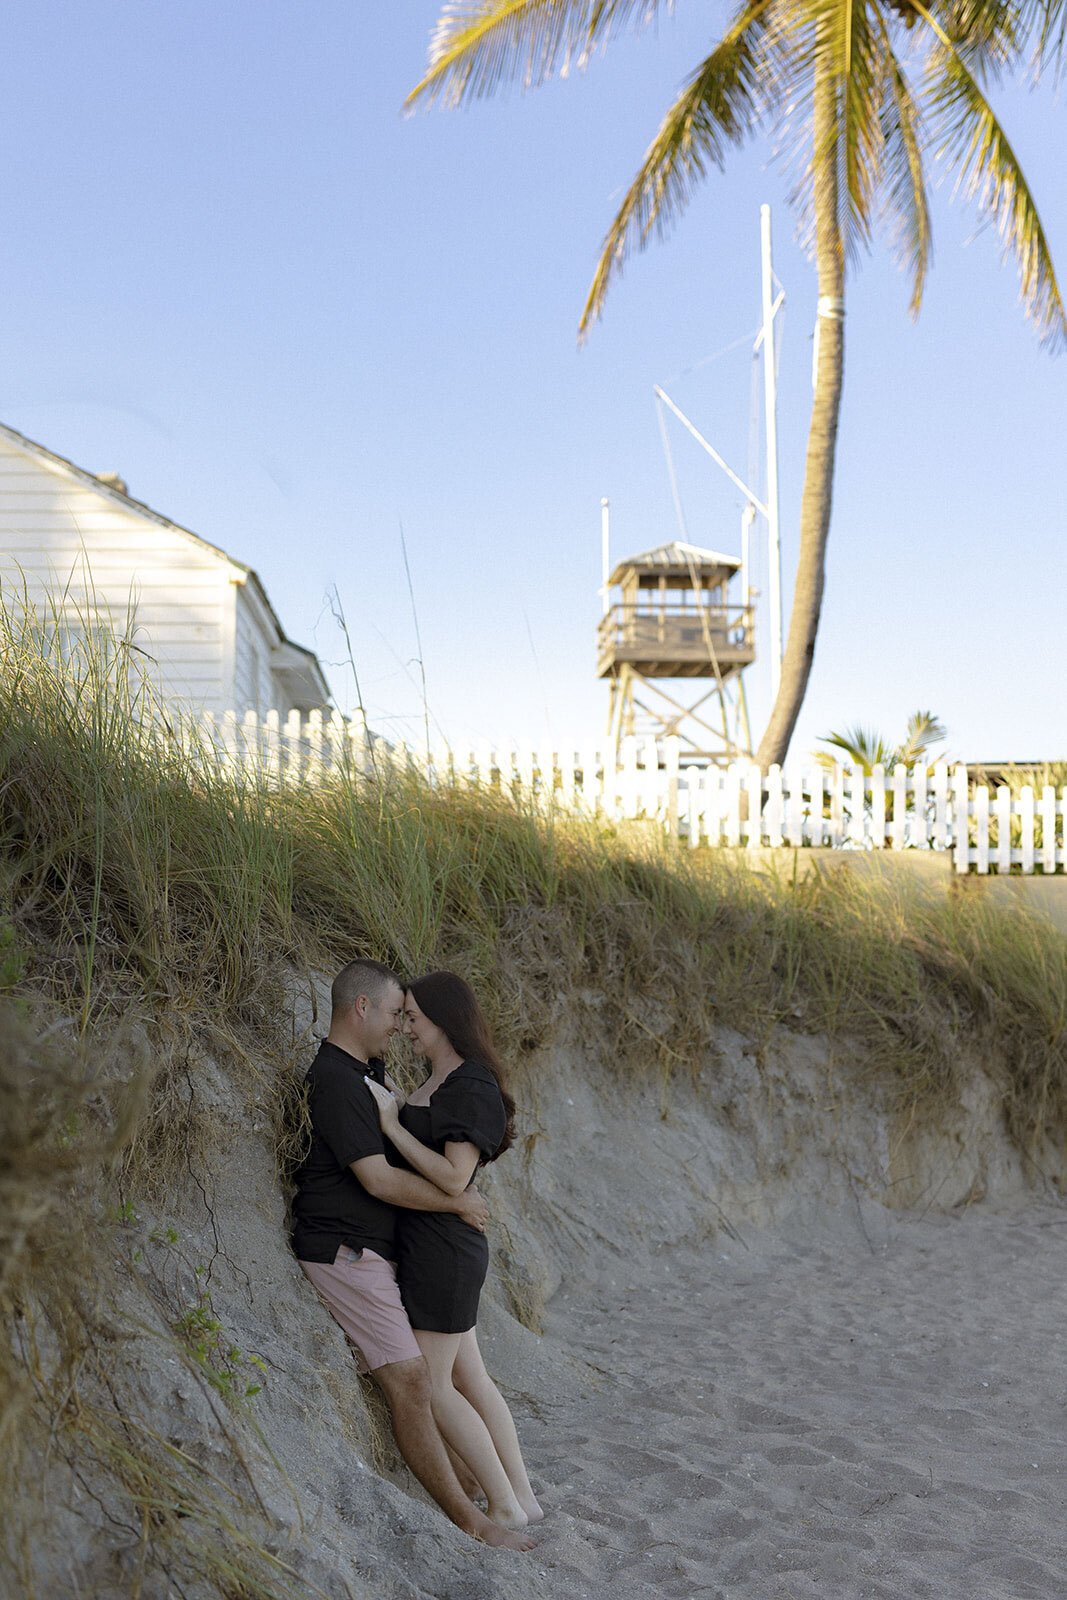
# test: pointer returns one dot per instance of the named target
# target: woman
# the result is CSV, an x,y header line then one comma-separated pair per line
x,y
460,1116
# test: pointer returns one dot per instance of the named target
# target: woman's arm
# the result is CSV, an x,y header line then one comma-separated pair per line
x,y
451,1172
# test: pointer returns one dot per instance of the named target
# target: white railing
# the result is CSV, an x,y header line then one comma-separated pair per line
x,y
921,808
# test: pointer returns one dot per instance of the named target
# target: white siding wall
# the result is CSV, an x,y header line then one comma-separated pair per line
x,y
255,686
247,651
59,534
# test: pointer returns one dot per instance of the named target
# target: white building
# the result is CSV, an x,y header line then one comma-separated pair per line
x,y
82,551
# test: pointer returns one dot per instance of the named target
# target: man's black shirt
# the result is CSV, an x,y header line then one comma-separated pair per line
x,y
332,1207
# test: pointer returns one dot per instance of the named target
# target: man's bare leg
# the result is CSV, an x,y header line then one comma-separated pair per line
x,y
407,1389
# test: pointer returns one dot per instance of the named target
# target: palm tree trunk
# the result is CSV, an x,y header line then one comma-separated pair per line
x,y
817,498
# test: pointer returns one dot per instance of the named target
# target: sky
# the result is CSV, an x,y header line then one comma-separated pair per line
x,y
324,336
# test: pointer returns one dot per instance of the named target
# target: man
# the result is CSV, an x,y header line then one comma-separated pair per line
x,y
344,1227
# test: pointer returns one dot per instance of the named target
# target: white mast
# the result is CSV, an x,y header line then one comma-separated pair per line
x,y
774,551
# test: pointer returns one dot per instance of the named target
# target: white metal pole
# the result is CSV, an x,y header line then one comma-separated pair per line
x,y
712,452
774,551
605,561
747,518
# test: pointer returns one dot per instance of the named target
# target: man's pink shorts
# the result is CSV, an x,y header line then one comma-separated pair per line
x,y
361,1294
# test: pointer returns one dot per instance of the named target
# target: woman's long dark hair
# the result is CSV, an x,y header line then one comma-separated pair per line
x,y
449,1002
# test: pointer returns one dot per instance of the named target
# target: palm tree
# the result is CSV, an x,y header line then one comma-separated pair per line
x,y
865,101
867,749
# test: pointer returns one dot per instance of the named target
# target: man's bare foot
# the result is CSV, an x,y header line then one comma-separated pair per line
x,y
508,1538
533,1511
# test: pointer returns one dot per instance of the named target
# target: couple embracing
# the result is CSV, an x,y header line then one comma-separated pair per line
x,y
391,1232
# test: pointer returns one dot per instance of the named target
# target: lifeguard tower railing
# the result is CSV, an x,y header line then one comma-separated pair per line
x,y
675,641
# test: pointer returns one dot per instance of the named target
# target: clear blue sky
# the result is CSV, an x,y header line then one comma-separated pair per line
x,y
292,319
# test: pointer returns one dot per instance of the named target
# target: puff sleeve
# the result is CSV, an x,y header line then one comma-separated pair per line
x,y
468,1109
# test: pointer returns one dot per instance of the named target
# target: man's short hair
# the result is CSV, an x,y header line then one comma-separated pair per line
x,y
371,978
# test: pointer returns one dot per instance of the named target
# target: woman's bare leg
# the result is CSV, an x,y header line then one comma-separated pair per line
x,y
471,1379
463,1429
467,1481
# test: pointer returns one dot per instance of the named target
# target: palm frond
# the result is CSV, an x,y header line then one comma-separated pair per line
x,y
924,730
905,201
1052,37
845,51
794,113
720,106
990,34
867,749
479,45
972,137
863,747
860,95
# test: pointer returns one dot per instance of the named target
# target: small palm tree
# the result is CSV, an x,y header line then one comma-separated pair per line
x,y
867,91
867,749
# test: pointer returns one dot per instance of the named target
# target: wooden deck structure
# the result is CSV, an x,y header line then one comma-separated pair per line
x,y
674,620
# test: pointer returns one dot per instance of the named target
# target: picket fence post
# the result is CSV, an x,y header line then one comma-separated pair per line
x,y
250,752
940,839
566,778
920,785
981,827
961,820
1026,814
857,816
1003,809
878,807
837,807
816,817
754,821
671,753
1048,828
775,806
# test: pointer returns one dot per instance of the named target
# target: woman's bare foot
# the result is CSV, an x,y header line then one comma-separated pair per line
x,y
533,1511
508,1538
513,1517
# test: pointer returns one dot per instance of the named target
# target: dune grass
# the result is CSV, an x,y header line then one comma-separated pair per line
x,y
149,891
141,872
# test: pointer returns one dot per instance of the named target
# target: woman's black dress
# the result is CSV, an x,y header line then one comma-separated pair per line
x,y
442,1261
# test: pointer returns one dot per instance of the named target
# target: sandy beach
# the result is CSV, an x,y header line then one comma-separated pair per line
x,y
851,1406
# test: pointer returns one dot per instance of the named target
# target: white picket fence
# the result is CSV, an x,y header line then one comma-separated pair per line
x,y
298,748
924,808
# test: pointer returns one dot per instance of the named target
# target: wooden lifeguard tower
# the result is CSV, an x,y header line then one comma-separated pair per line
x,y
673,620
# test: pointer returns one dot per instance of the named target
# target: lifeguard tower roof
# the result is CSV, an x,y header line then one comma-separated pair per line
x,y
676,560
